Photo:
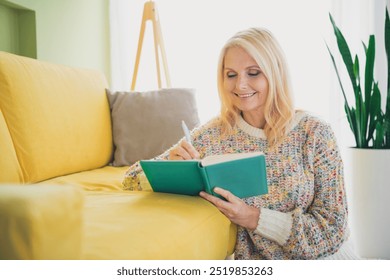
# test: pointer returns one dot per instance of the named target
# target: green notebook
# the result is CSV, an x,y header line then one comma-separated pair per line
x,y
242,174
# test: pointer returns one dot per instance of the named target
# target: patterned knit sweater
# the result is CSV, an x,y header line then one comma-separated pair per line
x,y
304,215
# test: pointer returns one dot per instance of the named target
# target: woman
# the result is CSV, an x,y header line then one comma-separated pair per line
x,y
304,215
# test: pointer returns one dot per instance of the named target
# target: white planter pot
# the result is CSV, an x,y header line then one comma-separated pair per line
x,y
371,202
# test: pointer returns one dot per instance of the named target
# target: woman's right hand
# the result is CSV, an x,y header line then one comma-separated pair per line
x,y
184,151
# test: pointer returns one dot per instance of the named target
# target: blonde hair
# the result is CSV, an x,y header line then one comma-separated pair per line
x,y
279,109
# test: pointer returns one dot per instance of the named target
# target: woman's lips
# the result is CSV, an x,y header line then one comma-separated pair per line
x,y
245,95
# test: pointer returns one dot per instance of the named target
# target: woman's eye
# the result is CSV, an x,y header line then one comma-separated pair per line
x,y
254,73
231,74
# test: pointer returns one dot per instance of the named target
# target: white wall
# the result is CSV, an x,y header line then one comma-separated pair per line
x,y
195,30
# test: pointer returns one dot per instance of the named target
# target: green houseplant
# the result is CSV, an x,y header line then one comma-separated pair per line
x,y
369,124
370,159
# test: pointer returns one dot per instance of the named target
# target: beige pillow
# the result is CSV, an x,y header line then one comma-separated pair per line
x,y
145,124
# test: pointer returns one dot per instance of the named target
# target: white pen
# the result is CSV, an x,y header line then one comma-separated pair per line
x,y
186,132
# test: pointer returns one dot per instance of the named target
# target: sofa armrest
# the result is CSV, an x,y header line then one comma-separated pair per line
x,y
40,222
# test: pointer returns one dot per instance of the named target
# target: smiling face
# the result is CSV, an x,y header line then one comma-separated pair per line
x,y
245,84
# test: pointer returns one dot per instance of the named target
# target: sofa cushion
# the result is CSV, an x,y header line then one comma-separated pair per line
x,y
58,117
108,178
145,124
154,226
41,222
10,171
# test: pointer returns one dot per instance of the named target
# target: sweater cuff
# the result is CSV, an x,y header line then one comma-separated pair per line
x,y
274,225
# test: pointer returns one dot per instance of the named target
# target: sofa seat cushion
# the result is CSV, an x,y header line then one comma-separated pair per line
x,y
40,222
147,225
105,178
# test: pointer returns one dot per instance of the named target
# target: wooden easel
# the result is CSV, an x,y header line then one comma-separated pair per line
x,y
150,13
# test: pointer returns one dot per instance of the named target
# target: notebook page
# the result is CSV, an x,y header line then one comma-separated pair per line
x,y
210,160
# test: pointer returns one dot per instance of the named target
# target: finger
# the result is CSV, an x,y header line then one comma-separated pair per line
x,y
226,208
227,195
174,156
190,149
219,203
179,153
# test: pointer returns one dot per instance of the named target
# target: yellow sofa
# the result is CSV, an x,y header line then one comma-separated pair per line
x,y
60,198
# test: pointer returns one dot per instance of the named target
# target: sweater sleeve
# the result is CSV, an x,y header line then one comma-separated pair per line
x,y
319,230
135,179
275,225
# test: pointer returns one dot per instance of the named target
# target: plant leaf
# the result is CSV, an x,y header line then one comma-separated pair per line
x,y
365,47
360,112
387,112
368,88
386,131
378,140
351,116
387,48
345,53
338,77
369,71
361,126
350,112
375,111
356,69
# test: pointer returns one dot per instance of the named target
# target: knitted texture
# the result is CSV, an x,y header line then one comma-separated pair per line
x,y
305,188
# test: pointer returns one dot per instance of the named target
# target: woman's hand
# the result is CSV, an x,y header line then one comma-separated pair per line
x,y
184,151
234,208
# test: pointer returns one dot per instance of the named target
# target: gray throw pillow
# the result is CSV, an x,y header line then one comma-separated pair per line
x,y
145,124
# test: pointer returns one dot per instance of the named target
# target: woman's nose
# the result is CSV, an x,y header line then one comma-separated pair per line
x,y
242,82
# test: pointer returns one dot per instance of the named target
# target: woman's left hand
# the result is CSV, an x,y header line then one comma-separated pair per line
x,y
234,208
